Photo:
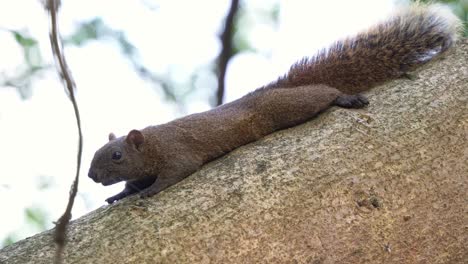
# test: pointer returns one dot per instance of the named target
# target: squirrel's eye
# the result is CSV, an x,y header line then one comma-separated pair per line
x,y
116,155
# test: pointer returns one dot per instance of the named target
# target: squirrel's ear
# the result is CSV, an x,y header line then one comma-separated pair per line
x,y
111,136
135,137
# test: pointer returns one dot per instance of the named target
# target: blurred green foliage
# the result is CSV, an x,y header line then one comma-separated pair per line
x,y
245,20
96,29
92,30
44,182
36,216
32,67
38,220
10,239
459,7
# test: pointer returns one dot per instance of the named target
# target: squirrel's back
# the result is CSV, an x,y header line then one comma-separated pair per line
x,y
411,37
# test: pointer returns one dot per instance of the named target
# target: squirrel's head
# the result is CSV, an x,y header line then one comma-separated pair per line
x,y
120,159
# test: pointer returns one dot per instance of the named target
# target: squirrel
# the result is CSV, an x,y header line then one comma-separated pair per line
x,y
156,157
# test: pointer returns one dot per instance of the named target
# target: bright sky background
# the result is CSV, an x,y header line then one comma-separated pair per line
x,y
38,136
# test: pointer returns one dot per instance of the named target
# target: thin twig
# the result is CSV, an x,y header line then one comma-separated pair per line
x,y
226,50
65,74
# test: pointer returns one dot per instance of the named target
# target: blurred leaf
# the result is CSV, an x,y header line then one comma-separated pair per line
x,y
31,52
36,216
25,41
91,30
23,79
150,5
24,73
33,58
275,14
44,182
96,29
9,239
125,45
464,4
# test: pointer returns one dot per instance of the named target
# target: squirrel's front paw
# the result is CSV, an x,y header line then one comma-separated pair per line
x,y
114,198
351,101
126,192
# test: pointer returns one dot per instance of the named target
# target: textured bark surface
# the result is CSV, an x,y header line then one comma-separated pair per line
x,y
385,184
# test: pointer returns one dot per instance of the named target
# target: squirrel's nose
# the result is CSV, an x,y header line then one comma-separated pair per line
x,y
92,175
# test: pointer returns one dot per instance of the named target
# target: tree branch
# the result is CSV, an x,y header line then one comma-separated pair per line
x,y
226,50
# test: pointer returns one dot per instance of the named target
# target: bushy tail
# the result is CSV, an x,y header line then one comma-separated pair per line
x,y
411,37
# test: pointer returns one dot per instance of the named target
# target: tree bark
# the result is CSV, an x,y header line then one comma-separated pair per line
x,y
384,184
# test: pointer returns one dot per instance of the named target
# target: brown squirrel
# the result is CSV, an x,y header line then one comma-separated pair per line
x,y
156,157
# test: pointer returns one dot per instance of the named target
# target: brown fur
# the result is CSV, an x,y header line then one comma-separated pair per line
x,y
156,157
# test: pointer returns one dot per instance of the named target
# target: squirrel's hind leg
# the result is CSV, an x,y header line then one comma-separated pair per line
x,y
351,101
